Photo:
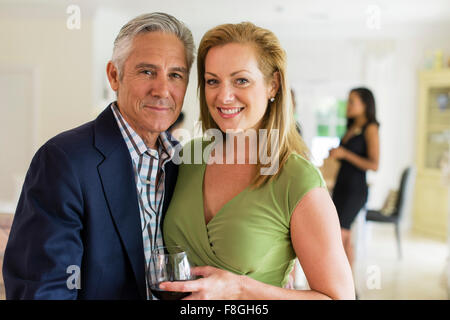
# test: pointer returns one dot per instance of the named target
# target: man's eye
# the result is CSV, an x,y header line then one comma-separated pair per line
x,y
148,72
176,75
211,82
241,81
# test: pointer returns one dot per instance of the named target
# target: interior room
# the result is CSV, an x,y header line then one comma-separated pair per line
x,y
53,78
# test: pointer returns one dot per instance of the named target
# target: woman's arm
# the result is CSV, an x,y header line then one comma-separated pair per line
x,y
369,163
317,242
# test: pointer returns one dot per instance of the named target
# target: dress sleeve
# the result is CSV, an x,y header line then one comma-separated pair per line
x,y
302,177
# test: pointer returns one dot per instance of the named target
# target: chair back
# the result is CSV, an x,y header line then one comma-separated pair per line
x,y
406,187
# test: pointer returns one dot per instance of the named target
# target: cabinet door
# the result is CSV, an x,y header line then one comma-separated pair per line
x,y
437,126
431,206
431,196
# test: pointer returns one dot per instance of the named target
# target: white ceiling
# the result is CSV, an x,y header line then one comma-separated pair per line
x,y
291,18
276,11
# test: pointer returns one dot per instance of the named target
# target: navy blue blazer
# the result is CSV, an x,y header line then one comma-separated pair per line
x,y
79,207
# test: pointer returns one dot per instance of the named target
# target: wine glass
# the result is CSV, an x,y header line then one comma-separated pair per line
x,y
168,264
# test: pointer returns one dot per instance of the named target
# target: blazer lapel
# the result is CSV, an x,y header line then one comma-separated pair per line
x,y
117,176
171,175
170,180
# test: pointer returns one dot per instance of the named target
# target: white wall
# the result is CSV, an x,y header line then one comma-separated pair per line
x,y
62,62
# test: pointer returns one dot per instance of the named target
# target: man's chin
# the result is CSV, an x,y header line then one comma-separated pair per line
x,y
157,123
157,129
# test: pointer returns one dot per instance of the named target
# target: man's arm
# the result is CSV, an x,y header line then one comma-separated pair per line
x,y
45,238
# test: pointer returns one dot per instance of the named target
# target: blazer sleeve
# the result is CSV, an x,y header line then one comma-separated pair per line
x,y
44,249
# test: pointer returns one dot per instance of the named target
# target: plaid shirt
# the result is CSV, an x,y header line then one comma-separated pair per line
x,y
148,164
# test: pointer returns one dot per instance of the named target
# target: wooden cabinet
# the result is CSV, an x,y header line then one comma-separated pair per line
x,y
431,210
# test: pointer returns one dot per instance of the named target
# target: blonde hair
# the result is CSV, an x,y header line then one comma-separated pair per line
x,y
271,59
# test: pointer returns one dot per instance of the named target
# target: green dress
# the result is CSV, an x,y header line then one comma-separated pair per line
x,y
250,234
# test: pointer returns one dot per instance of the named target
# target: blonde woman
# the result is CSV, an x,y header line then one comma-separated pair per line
x,y
241,227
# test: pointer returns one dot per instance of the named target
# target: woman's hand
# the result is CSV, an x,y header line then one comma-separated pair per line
x,y
216,284
338,153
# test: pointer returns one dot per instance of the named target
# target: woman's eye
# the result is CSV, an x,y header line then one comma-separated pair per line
x,y
241,81
211,82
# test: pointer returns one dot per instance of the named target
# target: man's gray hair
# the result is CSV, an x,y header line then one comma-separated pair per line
x,y
150,22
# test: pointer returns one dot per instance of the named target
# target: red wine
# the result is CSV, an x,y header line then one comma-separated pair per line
x,y
168,295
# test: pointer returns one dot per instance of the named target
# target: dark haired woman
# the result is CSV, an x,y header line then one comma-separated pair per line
x,y
358,152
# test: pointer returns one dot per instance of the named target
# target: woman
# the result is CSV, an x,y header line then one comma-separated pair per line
x,y
358,152
245,228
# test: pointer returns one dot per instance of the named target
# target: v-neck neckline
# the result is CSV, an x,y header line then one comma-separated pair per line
x,y
349,139
360,132
202,200
354,135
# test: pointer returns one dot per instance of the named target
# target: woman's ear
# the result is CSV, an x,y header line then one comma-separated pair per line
x,y
274,84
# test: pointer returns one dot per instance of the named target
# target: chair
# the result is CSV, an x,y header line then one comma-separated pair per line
x,y
407,179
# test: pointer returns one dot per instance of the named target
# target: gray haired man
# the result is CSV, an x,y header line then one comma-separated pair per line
x,y
94,197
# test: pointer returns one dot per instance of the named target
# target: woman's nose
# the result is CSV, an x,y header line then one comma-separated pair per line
x,y
226,94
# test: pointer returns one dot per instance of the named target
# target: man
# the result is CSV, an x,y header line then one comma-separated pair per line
x,y
94,197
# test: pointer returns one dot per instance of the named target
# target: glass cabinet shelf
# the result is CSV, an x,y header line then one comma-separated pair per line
x,y
439,106
437,125
436,147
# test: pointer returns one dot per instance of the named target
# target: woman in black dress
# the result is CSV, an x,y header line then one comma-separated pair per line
x,y
358,152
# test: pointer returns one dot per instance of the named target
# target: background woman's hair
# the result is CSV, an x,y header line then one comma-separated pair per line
x,y
271,59
368,101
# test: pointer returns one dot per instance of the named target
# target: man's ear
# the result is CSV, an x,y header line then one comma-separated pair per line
x,y
113,75
274,84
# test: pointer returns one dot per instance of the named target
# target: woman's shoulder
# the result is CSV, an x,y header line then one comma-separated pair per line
x,y
371,126
298,176
296,165
371,129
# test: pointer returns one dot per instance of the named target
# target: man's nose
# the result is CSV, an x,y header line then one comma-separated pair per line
x,y
226,94
160,88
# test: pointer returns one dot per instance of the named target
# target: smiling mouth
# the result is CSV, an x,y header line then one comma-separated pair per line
x,y
229,111
157,108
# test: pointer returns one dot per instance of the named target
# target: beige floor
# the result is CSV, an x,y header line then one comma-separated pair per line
x,y
5,224
2,288
420,274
